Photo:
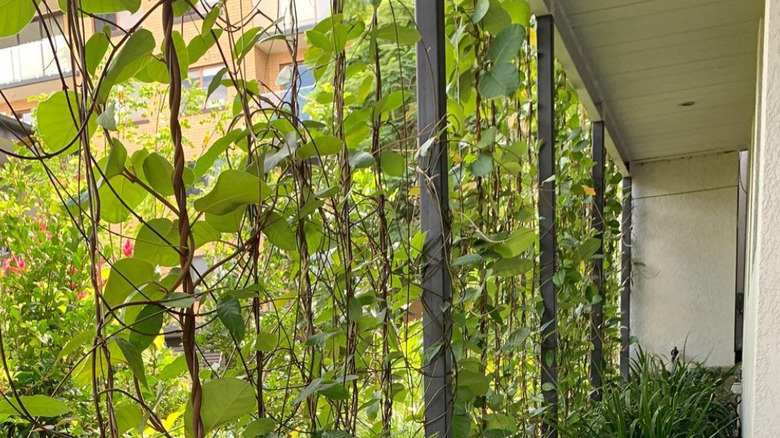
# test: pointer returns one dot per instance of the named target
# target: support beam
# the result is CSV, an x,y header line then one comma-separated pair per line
x,y
739,299
597,224
434,205
547,236
625,281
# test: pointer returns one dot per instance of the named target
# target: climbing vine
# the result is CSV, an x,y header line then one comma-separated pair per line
x,y
264,278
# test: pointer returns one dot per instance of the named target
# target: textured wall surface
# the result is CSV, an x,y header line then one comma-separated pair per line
x,y
685,219
761,371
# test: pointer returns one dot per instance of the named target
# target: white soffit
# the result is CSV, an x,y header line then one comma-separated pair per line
x,y
636,62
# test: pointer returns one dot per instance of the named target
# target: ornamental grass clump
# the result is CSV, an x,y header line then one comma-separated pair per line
x,y
662,399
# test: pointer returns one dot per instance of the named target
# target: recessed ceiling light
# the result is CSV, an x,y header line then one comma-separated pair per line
x,y
688,103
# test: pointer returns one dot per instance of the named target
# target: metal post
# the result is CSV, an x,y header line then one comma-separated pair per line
x,y
547,236
625,280
597,223
434,206
739,304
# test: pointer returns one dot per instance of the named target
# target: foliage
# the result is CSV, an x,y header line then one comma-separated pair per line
x,y
661,399
286,239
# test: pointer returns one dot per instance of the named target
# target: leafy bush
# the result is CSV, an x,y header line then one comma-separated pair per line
x,y
664,399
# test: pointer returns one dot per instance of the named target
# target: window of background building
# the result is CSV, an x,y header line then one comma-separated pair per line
x,y
116,21
24,115
30,55
201,77
309,12
306,84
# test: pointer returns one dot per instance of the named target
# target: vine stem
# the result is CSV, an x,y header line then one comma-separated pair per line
x,y
186,251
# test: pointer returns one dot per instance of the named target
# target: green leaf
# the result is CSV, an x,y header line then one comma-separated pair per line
x,y
227,223
500,425
117,157
224,400
105,6
483,165
154,71
520,240
229,313
201,43
146,327
36,405
360,159
126,276
178,300
234,188
216,81
76,342
174,369
16,15
107,119
246,43
496,19
159,173
117,197
320,146
95,50
157,250
134,359
203,233
266,342
319,338
59,122
516,339
130,59
519,11
402,35
512,267
182,53
210,19
259,428
219,147
129,417
461,425
507,44
502,80
468,259
284,78
473,381
480,10
588,248
320,40
279,233
333,390
393,163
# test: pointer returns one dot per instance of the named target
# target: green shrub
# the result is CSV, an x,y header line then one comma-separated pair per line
x,y
663,399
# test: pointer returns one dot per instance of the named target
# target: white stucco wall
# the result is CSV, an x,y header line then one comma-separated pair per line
x,y
684,252
761,362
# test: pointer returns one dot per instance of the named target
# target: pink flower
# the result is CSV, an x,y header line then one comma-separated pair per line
x,y
17,267
42,227
6,265
21,264
81,295
127,248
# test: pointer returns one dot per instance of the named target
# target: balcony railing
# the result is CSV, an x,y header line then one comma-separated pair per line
x,y
34,60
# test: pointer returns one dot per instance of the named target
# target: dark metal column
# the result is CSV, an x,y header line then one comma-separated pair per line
x,y
739,304
625,280
597,223
434,205
547,236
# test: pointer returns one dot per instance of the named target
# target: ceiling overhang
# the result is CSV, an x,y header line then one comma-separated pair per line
x,y
667,77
